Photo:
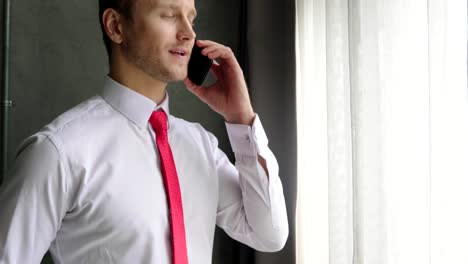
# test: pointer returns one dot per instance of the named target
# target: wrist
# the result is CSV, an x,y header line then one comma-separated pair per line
x,y
241,118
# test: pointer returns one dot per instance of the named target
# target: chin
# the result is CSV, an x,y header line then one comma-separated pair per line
x,y
170,76
175,78
180,76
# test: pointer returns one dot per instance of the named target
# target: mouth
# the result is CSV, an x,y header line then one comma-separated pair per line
x,y
179,52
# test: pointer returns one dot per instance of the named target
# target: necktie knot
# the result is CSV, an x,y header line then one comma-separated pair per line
x,y
158,121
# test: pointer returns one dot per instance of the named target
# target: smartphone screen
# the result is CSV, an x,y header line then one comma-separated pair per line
x,y
199,66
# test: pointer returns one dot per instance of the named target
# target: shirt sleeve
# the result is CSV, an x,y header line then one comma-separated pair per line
x,y
251,206
33,201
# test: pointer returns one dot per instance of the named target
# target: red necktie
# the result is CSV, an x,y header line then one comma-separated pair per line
x,y
158,121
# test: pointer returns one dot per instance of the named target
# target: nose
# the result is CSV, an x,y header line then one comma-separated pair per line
x,y
186,31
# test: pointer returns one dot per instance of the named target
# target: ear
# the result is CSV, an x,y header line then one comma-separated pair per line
x,y
112,22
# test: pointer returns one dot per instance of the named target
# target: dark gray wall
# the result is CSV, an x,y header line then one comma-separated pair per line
x,y
272,74
58,60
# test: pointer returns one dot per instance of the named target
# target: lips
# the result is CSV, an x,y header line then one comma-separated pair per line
x,y
179,51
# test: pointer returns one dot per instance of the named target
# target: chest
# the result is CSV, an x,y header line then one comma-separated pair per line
x,y
124,190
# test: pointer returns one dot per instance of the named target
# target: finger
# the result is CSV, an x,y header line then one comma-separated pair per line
x,y
225,56
200,43
214,54
204,43
209,49
226,53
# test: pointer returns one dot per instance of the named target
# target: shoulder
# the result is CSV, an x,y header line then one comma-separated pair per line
x,y
73,123
74,117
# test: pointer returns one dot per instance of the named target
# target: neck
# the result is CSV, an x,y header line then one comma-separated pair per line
x,y
132,77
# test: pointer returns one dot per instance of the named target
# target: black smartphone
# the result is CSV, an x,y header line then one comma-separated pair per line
x,y
199,66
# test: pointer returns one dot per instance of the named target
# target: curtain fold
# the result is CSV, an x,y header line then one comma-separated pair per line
x,y
312,224
339,136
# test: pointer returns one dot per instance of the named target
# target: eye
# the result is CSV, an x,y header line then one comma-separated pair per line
x,y
168,16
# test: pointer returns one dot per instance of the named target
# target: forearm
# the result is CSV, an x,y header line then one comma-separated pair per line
x,y
257,216
263,202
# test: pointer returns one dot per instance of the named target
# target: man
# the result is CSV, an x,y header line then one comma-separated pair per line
x,y
106,183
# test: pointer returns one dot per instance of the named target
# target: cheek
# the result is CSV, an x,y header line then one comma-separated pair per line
x,y
153,35
162,34
159,40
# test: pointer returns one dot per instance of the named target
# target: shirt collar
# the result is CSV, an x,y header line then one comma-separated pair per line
x,y
134,106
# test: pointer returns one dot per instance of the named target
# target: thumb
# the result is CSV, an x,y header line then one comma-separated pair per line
x,y
217,70
197,90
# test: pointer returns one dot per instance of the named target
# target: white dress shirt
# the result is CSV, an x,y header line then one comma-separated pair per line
x,y
88,187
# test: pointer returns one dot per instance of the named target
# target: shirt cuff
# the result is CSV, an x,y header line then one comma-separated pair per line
x,y
247,140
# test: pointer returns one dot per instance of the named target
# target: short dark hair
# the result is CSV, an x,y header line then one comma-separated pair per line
x,y
124,7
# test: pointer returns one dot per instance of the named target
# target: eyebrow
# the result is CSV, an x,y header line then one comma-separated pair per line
x,y
174,7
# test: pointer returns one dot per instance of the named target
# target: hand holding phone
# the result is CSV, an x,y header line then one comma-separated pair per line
x,y
229,95
199,66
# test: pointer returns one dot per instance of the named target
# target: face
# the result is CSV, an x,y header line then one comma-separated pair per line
x,y
159,38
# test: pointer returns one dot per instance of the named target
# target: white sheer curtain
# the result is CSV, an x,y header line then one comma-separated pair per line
x,y
382,103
